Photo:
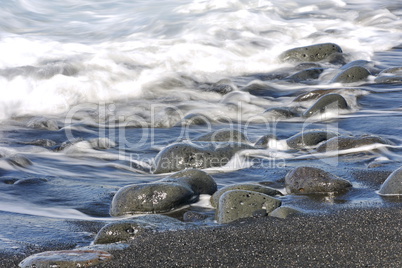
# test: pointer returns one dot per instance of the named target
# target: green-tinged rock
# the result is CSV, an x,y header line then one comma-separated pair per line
x,y
310,180
197,180
393,184
66,259
128,229
151,198
326,103
246,187
349,142
283,212
351,75
180,156
224,135
238,204
309,138
311,53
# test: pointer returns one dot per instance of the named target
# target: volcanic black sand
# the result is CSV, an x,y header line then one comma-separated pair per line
x,y
369,237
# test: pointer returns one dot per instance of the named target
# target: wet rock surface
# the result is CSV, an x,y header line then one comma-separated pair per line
x,y
310,180
309,138
349,142
329,102
351,75
392,186
311,53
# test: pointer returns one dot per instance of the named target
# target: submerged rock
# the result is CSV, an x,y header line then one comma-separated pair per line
x,y
313,95
66,259
310,180
263,142
223,86
180,156
101,143
244,186
197,180
311,53
349,142
125,230
280,112
43,123
309,138
326,103
305,75
151,198
224,135
192,216
393,184
352,74
238,204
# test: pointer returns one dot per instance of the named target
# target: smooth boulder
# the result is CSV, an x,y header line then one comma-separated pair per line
x,y
305,75
351,75
309,138
311,53
311,180
244,186
180,156
238,204
329,102
349,142
197,180
392,186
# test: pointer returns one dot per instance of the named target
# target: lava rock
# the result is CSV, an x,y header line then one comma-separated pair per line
x,y
126,230
349,142
224,135
393,184
246,187
310,180
311,53
180,156
309,138
238,204
66,259
327,102
351,75
151,198
283,212
197,180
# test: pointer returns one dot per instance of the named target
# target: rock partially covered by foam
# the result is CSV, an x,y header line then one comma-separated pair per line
x,y
349,142
326,103
244,186
310,180
351,75
180,156
66,258
170,193
128,229
309,138
311,53
238,204
393,184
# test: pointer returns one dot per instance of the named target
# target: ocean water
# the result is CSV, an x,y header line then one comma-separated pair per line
x,y
91,91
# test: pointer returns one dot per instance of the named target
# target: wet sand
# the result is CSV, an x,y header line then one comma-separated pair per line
x,y
369,237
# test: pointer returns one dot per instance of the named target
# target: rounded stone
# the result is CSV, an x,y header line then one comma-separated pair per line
x,y
224,135
279,112
393,184
351,75
66,259
311,53
151,198
310,180
244,186
180,156
305,75
309,138
197,180
346,142
238,204
283,212
326,103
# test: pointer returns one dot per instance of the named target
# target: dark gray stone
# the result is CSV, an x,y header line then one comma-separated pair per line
x,y
195,119
238,204
309,138
224,135
349,142
351,75
311,53
313,95
19,161
393,184
310,180
388,79
281,112
151,198
180,156
260,213
197,180
326,103
305,75
283,212
246,187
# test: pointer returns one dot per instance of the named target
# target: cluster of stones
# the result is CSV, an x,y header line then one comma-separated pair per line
x,y
216,149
